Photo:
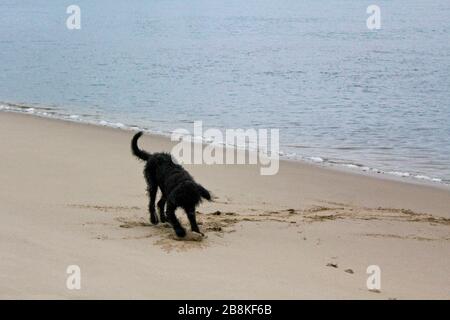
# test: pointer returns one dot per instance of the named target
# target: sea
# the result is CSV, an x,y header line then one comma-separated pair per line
x,y
340,93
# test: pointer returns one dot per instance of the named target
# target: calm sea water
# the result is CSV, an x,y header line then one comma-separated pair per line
x,y
338,91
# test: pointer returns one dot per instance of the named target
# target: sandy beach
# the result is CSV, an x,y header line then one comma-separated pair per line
x,y
72,194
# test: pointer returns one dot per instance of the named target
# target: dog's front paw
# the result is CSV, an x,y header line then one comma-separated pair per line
x,y
181,233
153,219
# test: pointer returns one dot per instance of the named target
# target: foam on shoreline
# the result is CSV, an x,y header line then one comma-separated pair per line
x,y
53,113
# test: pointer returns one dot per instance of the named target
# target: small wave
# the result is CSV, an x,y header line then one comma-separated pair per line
x,y
399,174
422,177
316,159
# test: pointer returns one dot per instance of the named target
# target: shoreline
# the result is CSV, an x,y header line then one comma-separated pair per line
x,y
331,169
316,161
72,194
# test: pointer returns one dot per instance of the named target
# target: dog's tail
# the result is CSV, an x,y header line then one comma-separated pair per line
x,y
203,192
141,154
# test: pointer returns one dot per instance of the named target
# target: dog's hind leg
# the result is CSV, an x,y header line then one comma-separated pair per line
x,y
193,221
152,190
161,205
170,213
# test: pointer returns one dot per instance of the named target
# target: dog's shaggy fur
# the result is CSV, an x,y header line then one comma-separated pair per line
x,y
177,186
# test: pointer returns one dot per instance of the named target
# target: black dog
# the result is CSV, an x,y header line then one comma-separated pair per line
x,y
177,186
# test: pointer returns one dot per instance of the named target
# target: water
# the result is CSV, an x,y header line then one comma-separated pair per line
x,y
339,92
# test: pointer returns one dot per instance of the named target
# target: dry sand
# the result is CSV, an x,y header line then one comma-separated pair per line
x,y
72,194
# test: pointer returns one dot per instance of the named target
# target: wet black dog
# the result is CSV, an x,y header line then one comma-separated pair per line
x,y
177,186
